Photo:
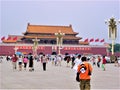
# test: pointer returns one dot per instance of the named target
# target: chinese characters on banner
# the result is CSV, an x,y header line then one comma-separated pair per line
x,y
77,48
65,48
30,47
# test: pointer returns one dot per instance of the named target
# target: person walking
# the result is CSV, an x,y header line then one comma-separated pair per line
x,y
77,62
93,60
25,61
59,59
103,63
73,59
98,61
68,59
1,58
85,70
14,61
116,61
44,61
20,60
31,63
55,60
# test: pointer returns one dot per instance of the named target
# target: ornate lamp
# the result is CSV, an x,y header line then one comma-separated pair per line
x,y
112,31
35,46
59,39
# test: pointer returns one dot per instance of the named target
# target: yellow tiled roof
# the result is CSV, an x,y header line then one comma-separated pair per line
x,y
49,29
9,41
83,43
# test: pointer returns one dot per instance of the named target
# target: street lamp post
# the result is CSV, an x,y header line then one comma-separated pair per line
x,y
35,46
59,40
112,31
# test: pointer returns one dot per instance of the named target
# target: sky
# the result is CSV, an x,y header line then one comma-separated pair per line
x,y
87,17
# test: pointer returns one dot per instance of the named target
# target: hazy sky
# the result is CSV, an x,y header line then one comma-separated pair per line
x,y
86,16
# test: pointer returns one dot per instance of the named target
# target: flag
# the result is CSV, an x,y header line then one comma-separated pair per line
x,y
97,40
86,40
91,40
15,38
9,38
102,40
3,38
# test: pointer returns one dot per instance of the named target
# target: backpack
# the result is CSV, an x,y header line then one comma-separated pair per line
x,y
89,72
77,77
82,70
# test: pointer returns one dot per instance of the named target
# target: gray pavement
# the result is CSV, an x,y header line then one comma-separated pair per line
x,y
56,77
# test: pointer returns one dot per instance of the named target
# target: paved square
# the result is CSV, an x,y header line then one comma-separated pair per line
x,y
55,77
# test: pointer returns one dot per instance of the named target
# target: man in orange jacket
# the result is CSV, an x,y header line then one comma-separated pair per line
x,y
85,70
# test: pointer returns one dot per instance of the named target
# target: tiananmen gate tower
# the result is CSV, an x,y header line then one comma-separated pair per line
x,y
45,35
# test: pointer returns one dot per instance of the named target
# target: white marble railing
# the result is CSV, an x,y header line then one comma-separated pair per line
x,y
17,44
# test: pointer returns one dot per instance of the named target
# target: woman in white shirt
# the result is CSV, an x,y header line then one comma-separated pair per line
x,y
20,60
77,62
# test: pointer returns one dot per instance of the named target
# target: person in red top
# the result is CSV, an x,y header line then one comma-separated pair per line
x,y
14,61
103,63
84,69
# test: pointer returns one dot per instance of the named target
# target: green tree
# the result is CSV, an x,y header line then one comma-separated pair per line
x,y
116,47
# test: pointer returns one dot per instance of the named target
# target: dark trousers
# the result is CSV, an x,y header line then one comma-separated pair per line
x,y
44,66
25,64
98,64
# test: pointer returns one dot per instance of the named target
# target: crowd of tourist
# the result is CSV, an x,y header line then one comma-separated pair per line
x,y
73,61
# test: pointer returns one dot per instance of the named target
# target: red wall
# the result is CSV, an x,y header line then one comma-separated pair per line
x,y
91,50
9,50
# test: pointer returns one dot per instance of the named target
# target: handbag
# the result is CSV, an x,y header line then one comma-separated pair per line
x,y
77,77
